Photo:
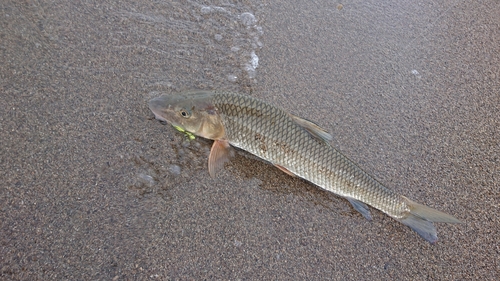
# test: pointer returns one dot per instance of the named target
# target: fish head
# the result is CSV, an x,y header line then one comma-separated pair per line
x,y
193,112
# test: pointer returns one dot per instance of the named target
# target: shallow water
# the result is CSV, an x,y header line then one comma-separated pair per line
x,y
95,188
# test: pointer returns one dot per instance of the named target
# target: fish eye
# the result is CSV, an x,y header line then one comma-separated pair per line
x,y
184,113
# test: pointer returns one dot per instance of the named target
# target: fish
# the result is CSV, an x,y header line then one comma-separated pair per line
x,y
294,145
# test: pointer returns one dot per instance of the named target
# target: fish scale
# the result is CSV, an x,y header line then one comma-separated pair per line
x,y
295,145
244,118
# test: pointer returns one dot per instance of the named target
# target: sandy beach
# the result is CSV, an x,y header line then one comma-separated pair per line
x,y
94,188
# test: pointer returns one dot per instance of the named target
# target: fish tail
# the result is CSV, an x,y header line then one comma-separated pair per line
x,y
421,218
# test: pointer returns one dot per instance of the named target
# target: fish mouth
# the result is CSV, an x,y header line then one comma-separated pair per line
x,y
160,106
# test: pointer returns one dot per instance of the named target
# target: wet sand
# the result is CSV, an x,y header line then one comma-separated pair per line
x,y
93,188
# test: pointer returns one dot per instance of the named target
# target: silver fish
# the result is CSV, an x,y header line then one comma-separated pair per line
x,y
294,145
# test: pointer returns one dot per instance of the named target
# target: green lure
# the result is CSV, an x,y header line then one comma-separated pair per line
x,y
190,135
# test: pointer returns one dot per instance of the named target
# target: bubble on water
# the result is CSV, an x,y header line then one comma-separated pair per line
x,y
252,64
243,30
237,243
147,179
416,73
254,61
250,70
186,142
174,169
209,9
219,9
206,10
248,19
259,44
259,30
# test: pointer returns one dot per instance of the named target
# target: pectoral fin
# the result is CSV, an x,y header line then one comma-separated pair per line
x,y
315,130
360,207
219,154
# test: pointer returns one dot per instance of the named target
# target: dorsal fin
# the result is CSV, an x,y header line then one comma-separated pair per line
x,y
315,130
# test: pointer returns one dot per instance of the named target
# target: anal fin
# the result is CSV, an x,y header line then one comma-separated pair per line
x,y
361,207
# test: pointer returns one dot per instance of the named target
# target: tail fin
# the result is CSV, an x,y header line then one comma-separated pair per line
x,y
421,217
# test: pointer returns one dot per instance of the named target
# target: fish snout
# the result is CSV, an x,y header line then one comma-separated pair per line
x,y
160,106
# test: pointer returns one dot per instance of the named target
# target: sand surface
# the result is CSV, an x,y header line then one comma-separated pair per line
x,y
93,188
